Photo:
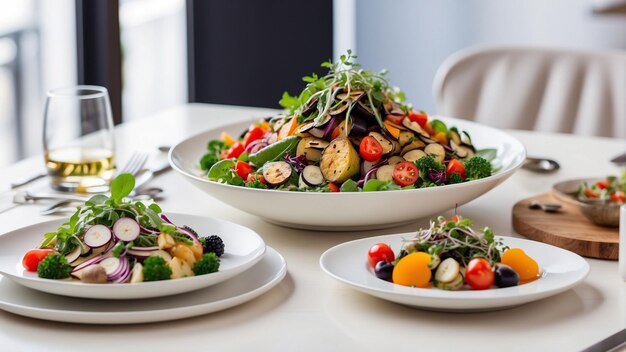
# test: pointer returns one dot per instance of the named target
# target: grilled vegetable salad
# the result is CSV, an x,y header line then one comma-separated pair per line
x,y
347,131
612,189
113,240
450,255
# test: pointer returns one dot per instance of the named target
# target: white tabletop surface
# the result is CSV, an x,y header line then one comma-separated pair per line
x,y
309,310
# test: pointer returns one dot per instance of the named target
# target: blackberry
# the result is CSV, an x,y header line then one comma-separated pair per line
x,y
213,244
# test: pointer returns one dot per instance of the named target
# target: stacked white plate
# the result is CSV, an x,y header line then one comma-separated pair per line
x,y
248,269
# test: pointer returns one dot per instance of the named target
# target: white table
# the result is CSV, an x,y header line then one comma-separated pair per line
x,y
310,311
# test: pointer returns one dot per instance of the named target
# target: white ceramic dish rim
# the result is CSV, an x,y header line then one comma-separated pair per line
x,y
142,290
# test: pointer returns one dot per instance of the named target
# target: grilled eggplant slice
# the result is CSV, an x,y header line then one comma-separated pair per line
x,y
312,176
415,127
385,173
437,151
340,161
414,155
276,173
384,142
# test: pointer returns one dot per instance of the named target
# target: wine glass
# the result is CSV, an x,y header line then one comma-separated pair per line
x,y
79,144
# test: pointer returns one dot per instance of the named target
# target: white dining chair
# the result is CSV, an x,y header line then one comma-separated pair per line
x,y
552,90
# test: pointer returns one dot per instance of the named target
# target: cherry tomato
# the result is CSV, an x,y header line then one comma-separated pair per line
x,y
254,133
333,187
590,193
397,119
418,116
456,218
478,274
234,151
254,177
33,257
455,166
618,196
602,184
243,169
370,149
378,252
405,173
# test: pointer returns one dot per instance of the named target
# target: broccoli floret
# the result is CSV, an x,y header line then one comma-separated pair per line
x,y
455,178
209,263
477,168
212,244
426,163
54,266
155,268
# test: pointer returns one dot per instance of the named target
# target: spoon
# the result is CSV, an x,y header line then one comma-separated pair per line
x,y
541,165
547,207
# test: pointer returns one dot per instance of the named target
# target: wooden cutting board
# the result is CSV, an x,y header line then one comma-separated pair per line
x,y
568,229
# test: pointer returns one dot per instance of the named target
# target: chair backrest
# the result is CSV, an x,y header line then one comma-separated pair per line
x,y
554,90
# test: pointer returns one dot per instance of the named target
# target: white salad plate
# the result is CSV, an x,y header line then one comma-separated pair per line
x,y
243,249
248,285
561,270
350,210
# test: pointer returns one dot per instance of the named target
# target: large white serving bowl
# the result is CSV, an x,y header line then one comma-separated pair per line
x,y
349,211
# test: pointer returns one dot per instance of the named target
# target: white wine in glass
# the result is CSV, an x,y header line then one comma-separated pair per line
x,y
79,145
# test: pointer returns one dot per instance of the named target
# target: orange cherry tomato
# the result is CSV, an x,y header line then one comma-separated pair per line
x,y
333,187
243,169
33,257
525,266
413,270
455,165
590,193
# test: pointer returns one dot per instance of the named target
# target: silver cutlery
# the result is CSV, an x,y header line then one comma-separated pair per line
x,y
547,207
541,165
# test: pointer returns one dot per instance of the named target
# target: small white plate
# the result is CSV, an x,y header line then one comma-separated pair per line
x,y
254,282
243,248
561,270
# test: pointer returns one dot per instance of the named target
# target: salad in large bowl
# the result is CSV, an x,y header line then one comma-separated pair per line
x,y
353,153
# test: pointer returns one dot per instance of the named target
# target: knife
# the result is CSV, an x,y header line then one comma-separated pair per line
x,y
620,159
612,343
28,180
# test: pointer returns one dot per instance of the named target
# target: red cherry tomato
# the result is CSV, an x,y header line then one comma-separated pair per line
x,y
243,169
455,166
33,257
418,116
370,149
254,133
478,274
378,252
234,151
618,196
602,184
405,173
333,187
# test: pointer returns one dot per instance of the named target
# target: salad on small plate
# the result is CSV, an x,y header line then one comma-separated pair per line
x,y
115,248
452,267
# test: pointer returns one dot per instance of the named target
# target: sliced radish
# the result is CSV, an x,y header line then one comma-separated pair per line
x,y
152,248
126,229
110,265
385,173
88,262
97,235
312,175
73,255
141,255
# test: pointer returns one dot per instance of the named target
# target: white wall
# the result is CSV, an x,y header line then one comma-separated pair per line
x,y
412,37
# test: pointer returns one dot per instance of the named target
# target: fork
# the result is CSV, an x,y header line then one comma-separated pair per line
x,y
134,164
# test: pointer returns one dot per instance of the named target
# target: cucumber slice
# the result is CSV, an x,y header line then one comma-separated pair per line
x,y
453,285
447,271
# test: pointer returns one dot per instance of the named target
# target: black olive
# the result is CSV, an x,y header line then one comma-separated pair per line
x,y
506,276
383,270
